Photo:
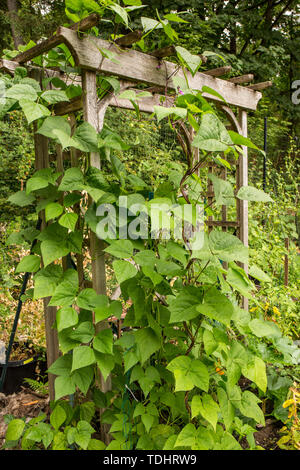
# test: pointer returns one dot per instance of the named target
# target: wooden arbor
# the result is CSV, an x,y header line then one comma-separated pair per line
x,y
133,68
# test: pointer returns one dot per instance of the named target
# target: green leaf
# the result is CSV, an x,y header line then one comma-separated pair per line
x,y
212,135
69,220
148,342
102,310
63,385
216,306
120,249
147,421
192,61
65,292
211,91
21,91
15,430
85,138
149,23
226,408
62,366
103,342
33,111
189,373
223,191
256,371
210,344
176,18
227,247
84,332
83,378
257,273
72,181
96,444
207,407
162,112
53,210
249,193
57,417
29,264
249,407
54,96
52,250
240,140
184,306
105,363
124,270
66,317
83,356
186,437
261,328
21,199
121,12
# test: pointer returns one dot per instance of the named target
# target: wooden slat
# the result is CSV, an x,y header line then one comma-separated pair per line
x,y
218,72
249,77
139,67
129,39
260,86
222,223
56,39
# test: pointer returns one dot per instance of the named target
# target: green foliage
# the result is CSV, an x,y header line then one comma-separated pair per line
x,y
187,343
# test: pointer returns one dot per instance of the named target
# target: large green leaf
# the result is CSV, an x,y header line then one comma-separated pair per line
x,y
33,111
249,193
103,342
124,270
192,61
120,249
249,407
227,247
216,306
256,371
148,342
22,91
184,306
207,407
162,112
83,356
29,264
223,191
212,135
263,328
66,317
189,373
52,250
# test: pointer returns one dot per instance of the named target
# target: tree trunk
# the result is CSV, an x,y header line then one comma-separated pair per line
x,y
12,6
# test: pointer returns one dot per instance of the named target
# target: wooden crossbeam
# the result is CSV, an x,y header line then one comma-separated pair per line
x,y
56,39
219,71
222,223
143,68
249,77
260,86
146,105
129,39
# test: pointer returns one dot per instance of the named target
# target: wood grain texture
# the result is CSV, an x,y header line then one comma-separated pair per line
x,y
143,68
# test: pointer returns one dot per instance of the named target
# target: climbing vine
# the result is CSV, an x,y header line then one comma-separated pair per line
x,y
175,367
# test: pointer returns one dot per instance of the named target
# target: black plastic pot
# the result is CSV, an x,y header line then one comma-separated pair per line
x,y
17,371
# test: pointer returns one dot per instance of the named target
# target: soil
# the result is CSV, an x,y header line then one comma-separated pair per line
x,y
25,404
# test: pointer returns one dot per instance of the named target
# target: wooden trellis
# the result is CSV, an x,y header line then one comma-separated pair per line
x,y
132,68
